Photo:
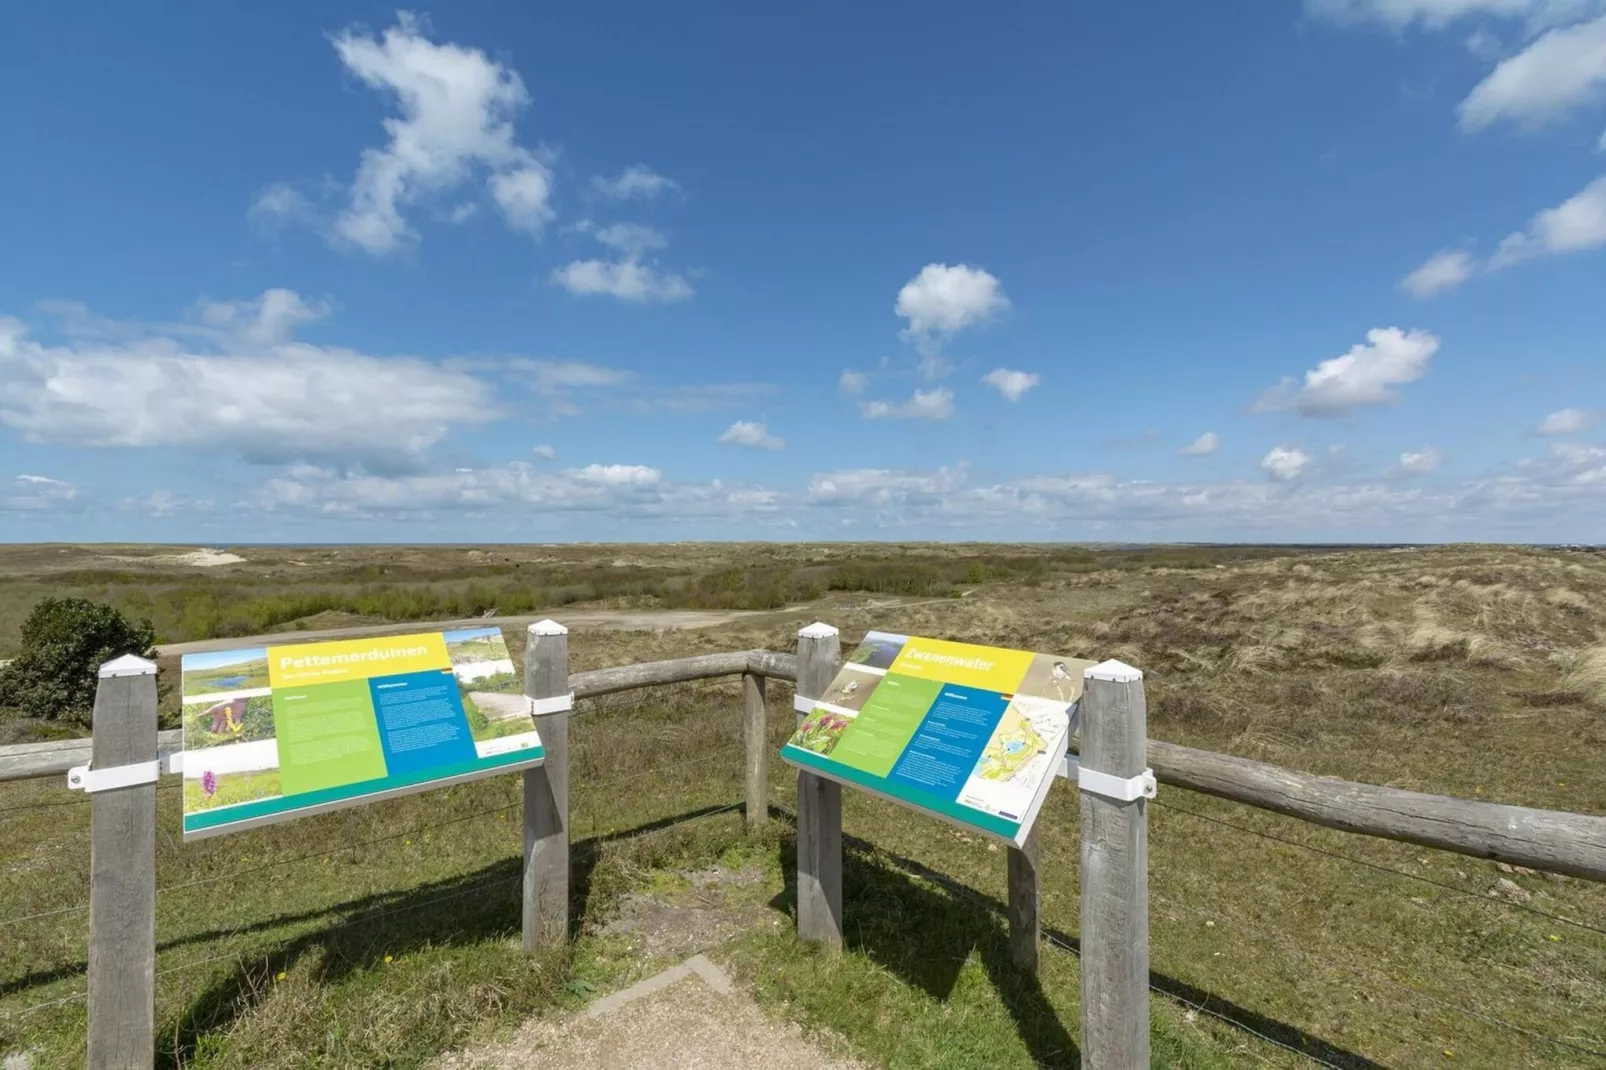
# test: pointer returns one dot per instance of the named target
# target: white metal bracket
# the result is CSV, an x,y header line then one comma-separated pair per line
x,y
804,705
83,778
1121,789
555,704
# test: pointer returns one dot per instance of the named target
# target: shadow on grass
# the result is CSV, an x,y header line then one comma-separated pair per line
x,y
924,936
469,909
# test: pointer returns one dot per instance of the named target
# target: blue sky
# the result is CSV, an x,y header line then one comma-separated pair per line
x,y
311,272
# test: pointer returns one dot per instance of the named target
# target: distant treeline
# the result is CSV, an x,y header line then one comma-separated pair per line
x,y
217,605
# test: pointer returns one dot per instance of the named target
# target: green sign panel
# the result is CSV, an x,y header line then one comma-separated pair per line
x,y
283,731
972,734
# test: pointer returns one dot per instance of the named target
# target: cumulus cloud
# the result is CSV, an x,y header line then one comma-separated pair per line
x,y
851,382
1203,446
1012,384
753,435
941,301
1285,462
628,279
545,452
1444,270
1564,69
1366,375
636,182
252,391
1421,462
935,404
453,124
1576,225
1568,422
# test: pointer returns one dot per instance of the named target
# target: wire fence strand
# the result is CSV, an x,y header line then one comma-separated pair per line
x,y
1203,1009
1379,867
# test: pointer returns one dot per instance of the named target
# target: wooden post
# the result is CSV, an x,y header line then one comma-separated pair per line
x,y
1115,874
546,792
122,872
1024,904
755,734
819,802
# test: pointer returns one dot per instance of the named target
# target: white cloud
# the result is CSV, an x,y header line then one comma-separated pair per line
x,y
263,321
524,196
1484,45
631,238
1575,225
279,203
1444,270
636,182
263,397
1203,446
752,435
545,452
1366,375
851,382
1564,69
554,376
1431,14
924,405
1285,462
941,301
1568,422
1552,498
628,279
37,494
1536,15
1013,385
1421,462
617,475
456,108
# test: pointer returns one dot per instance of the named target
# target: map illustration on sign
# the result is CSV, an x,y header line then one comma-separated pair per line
x,y
973,734
274,732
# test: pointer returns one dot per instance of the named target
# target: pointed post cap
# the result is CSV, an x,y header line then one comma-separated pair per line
x,y
548,627
817,630
1118,672
127,665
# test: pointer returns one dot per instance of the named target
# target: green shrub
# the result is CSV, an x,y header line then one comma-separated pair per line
x,y
64,642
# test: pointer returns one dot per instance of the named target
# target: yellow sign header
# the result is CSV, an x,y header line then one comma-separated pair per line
x,y
990,668
355,659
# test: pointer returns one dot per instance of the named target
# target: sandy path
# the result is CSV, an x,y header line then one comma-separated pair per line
x,y
696,1021
602,619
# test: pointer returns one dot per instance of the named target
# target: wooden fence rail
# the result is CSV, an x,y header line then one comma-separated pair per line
x,y
1553,841
1549,840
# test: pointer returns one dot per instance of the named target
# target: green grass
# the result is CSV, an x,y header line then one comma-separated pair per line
x,y
1449,671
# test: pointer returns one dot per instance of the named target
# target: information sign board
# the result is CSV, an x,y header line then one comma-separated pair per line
x,y
972,734
284,731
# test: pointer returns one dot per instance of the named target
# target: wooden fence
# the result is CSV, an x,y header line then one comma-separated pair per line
x,y
1114,892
